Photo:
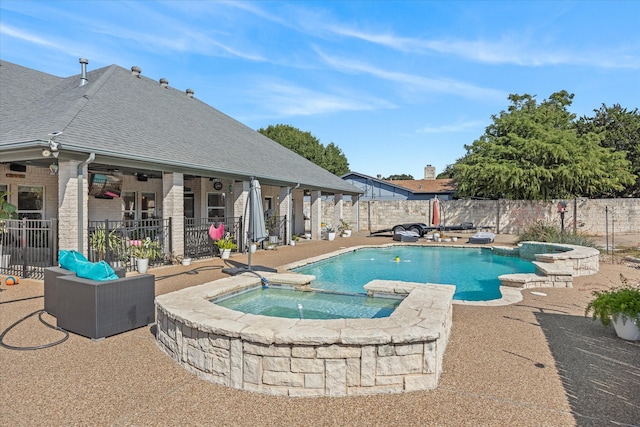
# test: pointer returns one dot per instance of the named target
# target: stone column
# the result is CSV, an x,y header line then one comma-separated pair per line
x,y
240,201
285,208
68,219
173,207
338,210
355,212
316,215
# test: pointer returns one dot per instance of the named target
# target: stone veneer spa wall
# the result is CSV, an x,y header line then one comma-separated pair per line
x,y
299,357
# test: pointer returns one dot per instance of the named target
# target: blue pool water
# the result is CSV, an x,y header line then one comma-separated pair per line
x,y
292,304
474,271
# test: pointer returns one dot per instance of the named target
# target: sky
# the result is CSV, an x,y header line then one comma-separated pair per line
x,y
396,85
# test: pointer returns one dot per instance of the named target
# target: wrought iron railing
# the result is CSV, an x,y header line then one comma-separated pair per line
x,y
116,241
198,243
27,246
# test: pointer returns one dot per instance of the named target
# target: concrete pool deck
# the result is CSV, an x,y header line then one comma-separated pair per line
x,y
536,362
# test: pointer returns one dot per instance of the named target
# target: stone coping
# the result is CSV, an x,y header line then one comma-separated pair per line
x,y
569,252
510,295
419,317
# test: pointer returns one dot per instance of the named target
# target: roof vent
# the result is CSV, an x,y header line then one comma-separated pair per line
x,y
83,65
189,93
135,70
164,82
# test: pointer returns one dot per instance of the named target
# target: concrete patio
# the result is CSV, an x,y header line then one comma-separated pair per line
x,y
537,362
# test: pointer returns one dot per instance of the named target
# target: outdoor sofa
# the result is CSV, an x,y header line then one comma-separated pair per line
x,y
99,308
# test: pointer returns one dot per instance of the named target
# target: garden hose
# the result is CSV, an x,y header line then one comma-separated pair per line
x,y
38,347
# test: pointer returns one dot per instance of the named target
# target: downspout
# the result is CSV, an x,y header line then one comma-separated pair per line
x,y
81,166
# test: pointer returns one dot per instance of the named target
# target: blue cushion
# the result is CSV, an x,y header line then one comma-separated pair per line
x,y
76,262
68,259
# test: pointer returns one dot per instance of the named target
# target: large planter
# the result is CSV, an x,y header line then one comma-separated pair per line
x,y
346,233
331,235
225,253
143,265
628,330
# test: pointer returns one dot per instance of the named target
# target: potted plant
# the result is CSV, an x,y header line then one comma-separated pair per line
x,y
226,245
7,211
294,239
100,241
143,251
620,305
345,228
331,233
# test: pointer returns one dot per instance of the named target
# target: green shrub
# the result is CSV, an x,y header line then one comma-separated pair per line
x,y
622,301
540,231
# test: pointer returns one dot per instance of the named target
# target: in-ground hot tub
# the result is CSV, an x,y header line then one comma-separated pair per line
x,y
304,357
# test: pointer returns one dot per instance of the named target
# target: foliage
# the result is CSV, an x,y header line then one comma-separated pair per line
x,y
533,151
540,231
7,210
330,229
400,177
226,243
344,225
619,130
622,301
146,248
99,241
447,173
308,146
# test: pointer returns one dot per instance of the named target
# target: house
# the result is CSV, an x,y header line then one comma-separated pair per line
x,y
383,190
112,144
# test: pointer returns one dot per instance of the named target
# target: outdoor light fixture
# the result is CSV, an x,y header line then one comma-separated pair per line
x,y
54,146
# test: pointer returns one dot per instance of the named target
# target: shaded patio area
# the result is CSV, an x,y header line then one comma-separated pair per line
x,y
537,362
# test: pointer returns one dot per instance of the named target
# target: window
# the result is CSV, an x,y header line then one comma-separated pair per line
x,y
189,205
30,201
148,206
215,205
129,199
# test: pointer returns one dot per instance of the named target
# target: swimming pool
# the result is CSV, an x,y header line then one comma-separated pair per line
x,y
278,301
474,271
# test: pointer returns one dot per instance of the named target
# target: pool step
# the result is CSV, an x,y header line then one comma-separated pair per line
x,y
532,280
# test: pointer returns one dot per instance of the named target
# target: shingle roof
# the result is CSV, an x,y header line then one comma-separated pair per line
x,y
126,118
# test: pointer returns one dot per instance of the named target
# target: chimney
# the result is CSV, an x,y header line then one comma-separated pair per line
x,y
83,65
135,70
429,172
164,82
189,93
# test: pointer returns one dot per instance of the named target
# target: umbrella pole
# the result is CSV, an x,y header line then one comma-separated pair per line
x,y
249,228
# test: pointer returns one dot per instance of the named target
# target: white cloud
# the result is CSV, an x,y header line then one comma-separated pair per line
x,y
285,100
415,82
453,127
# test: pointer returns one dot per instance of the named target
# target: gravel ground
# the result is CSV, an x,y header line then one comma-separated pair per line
x,y
536,363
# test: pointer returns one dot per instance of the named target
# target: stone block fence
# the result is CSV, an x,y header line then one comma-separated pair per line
x,y
585,216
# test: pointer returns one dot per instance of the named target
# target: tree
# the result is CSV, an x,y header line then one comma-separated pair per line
x,y
308,146
532,151
619,130
400,177
446,173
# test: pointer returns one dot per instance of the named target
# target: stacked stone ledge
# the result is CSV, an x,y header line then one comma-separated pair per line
x,y
556,264
293,357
